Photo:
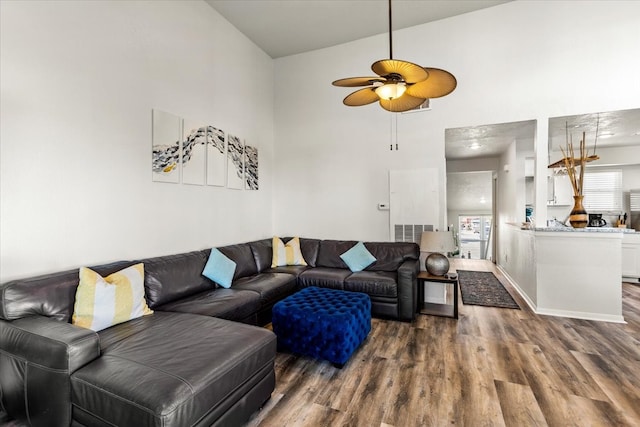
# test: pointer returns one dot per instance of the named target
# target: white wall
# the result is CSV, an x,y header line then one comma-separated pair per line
x,y
468,193
518,61
79,80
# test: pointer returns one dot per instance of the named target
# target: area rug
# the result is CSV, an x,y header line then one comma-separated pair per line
x,y
483,288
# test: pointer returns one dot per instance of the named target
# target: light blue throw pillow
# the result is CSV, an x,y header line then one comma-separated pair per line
x,y
219,268
358,257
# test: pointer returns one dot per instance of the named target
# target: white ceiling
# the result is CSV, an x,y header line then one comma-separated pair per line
x,y
490,140
615,129
288,27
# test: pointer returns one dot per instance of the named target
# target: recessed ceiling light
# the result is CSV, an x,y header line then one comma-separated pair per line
x,y
606,134
474,146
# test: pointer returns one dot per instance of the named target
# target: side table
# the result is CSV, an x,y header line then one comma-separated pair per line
x,y
445,310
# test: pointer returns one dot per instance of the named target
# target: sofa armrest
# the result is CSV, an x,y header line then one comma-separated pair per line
x,y
38,356
408,289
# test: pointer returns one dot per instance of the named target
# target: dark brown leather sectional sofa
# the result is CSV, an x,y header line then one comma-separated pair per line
x,y
198,360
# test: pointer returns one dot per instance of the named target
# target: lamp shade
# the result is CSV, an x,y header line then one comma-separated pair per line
x,y
437,241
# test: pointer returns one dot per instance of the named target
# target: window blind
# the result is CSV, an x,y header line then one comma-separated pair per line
x,y
602,190
635,200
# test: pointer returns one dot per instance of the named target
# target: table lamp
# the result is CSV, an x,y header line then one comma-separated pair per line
x,y
437,243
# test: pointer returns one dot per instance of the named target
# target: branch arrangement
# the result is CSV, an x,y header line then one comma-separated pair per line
x,y
571,164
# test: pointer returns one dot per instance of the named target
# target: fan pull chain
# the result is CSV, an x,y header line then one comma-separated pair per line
x,y
395,116
393,132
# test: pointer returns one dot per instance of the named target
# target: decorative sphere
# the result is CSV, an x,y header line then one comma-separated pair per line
x,y
437,264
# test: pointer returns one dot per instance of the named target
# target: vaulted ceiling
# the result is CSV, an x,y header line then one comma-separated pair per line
x,y
287,27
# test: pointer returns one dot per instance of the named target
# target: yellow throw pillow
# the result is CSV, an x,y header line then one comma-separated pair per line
x,y
103,302
289,254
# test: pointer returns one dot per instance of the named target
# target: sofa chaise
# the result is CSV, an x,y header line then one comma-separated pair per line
x,y
198,360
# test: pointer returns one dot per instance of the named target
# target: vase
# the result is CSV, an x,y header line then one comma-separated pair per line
x,y
578,217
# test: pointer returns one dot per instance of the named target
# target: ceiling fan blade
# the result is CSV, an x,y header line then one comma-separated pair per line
x,y
361,97
404,103
357,81
439,83
410,72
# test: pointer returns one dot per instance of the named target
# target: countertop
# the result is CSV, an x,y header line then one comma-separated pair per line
x,y
526,226
584,230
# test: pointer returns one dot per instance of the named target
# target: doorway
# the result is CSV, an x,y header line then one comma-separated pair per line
x,y
499,152
470,206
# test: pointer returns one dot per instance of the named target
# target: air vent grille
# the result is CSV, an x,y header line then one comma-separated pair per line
x,y
410,232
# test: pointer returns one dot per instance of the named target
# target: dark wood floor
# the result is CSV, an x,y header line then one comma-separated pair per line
x,y
492,367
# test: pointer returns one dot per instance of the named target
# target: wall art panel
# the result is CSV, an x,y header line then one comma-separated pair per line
x,y
216,157
166,153
194,154
250,167
235,167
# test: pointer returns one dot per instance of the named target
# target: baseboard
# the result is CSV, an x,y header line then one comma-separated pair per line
x,y
520,292
581,315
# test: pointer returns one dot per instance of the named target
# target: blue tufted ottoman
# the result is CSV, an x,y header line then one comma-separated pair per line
x,y
322,323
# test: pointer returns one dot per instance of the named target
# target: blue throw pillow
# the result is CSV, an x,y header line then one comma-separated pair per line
x,y
219,268
358,257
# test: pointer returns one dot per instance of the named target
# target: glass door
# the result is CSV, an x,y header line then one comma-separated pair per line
x,y
474,236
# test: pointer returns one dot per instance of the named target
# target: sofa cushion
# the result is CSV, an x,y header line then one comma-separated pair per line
x,y
390,255
51,295
271,287
286,253
227,304
169,369
102,302
358,257
324,277
262,253
310,248
242,255
330,251
168,278
374,283
219,268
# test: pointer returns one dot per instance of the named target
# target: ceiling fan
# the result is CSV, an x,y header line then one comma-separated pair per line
x,y
399,85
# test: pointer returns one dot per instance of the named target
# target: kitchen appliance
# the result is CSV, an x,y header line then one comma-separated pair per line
x,y
596,220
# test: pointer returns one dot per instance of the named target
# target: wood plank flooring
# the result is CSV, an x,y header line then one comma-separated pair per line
x,y
492,367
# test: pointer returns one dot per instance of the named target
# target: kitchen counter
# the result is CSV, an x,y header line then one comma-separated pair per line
x,y
567,272
583,230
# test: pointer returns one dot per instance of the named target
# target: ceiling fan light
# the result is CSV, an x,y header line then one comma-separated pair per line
x,y
391,91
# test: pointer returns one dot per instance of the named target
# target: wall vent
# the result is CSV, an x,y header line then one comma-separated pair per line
x,y
425,106
410,232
